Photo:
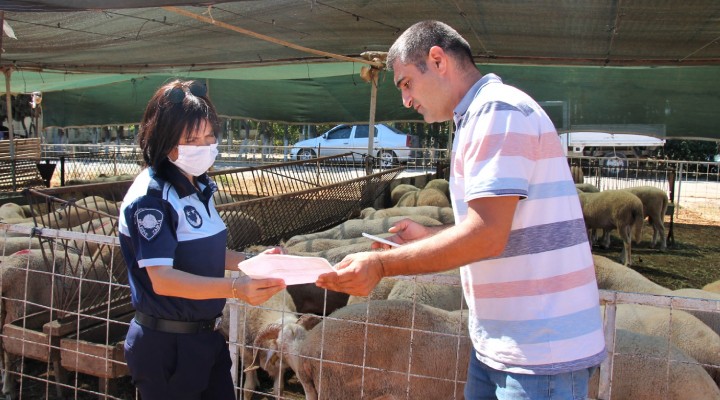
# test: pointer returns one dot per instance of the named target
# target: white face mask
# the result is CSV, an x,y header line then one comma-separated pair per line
x,y
195,160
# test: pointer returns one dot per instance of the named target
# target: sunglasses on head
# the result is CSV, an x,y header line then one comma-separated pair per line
x,y
177,94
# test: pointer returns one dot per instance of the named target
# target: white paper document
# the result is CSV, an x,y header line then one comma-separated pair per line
x,y
292,269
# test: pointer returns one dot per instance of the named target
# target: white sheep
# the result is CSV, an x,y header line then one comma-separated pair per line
x,y
613,276
258,328
655,204
438,295
683,330
30,284
650,368
322,244
440,184
79,212
399,191
612,209
11,212
710,318
354,228
445,295
432,197
442,214
381,291
409,199
587,187
712,287
381,348
12,244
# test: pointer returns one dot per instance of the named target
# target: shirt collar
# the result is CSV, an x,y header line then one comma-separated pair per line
x,y
464,104
182,185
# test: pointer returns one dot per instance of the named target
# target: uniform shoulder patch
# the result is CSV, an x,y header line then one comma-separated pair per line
x,y
192,216
149,221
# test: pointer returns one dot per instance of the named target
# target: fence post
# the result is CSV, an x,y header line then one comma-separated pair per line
x,y
671,184
62,170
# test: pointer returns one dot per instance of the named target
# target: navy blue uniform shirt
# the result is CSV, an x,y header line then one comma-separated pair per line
x,y
167,221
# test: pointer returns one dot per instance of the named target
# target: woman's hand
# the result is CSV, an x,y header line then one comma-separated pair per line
x,y
256,291
274,250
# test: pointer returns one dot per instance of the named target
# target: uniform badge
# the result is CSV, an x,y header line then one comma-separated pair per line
x,y
149,221
192,216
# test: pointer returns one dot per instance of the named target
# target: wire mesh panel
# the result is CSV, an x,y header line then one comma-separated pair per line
x,y
265,205
62,312
87,209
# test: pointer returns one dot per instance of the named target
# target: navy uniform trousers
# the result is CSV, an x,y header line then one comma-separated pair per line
x,y
179,366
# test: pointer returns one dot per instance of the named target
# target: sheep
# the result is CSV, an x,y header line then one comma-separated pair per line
x,y
432,197
399,191
587,187
685,331
312,299
577,174
12,244
442,214
86,210
440,184
242,228
711,319
712,287
320,245
613,276
258,329
655,204
381,348
29,285
438,295
649,368
355,227
612,209
409,199
11,211
381,291
445,296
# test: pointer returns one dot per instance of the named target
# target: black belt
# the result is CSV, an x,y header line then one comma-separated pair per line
x,y
170,326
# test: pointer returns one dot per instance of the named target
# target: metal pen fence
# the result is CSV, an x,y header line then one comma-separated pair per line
x,y
81,357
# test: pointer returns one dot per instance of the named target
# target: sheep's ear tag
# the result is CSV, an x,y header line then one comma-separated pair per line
x,y
149,221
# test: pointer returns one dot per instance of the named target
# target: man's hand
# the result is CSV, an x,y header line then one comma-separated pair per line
x,y
404,231
357,274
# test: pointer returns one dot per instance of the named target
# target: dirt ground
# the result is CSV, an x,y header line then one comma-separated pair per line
x,y
692,261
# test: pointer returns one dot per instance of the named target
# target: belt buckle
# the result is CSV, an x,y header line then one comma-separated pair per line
x,y
218,322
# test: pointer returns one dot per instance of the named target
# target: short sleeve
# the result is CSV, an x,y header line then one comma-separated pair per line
x,y
499,155
152,227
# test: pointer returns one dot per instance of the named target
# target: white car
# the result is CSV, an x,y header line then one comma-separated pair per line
x,y
391,146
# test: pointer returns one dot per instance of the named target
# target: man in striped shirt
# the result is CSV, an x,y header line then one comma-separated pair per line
x,y
519,235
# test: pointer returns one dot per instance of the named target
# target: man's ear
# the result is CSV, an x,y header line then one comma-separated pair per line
x,y
438,58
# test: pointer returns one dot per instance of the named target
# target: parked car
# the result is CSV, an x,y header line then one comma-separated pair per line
x,y
391,146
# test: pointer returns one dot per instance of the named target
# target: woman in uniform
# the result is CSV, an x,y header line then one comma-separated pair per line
x,y
173,242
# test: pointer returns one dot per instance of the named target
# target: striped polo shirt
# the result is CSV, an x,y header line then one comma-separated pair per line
x,y
535,308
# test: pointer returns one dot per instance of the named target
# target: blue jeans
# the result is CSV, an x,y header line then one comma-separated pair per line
x,y
484,383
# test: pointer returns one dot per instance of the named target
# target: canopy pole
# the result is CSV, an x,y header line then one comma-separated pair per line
x,y
371,124
268,38
7,72
8,103
370,74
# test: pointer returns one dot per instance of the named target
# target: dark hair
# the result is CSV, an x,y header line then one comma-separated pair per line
x,y
169,116
413,46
